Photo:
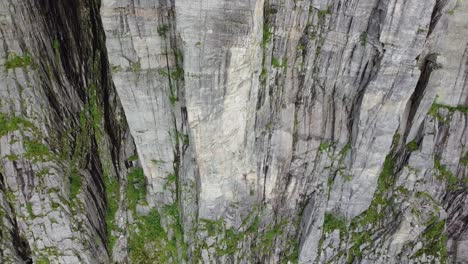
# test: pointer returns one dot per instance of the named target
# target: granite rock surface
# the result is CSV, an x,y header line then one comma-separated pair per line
x,y
234,131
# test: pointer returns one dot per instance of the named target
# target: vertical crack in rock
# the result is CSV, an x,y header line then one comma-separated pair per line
x,y
437,12
10,238
429,64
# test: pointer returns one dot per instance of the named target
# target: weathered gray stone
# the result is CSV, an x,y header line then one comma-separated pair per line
x,y
265,131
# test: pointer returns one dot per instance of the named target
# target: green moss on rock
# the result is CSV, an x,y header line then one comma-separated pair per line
x,y
444,174
434,241
136,190
9,124
333,222
36,151
412,146
16,61
374,213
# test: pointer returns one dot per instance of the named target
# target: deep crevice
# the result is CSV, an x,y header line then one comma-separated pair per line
x,y
436,14
428,66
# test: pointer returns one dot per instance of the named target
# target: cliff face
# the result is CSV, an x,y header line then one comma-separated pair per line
x,y
234,131
63,134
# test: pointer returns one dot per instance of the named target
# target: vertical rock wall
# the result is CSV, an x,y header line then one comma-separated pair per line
x,y
304,118
266,131
62,131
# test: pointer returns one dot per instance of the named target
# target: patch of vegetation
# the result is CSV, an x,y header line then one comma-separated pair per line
x,y
157,245
403,190
435,241
162,30
344,151
333,222
253,227
36,151
374,213
56,47
147,241
9,124
421,30
80,150
228,239
212,227
30,210
340,168
163,72
116,68
267,34
324,146
133,158
231,242
135,66
396,140
15,61
172,212
178,73
434,111
412,146
347,177
293,257
268,238
173,98
300,47
185,139
171,178
112,187
464,159
157,161
318,50
451,109
263,75
385,178
43,172
136,189
75,184
330,182
55,205
363,38
296,124
56,44
323,13
425,195
42,260
12,157
446,175
277,64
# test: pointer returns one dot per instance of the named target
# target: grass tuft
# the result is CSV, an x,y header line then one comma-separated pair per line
x,y
363,38
15,61
136,190
412,146
333,222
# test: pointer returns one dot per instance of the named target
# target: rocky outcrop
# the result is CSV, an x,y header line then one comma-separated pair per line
x,y
265,131
63,134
